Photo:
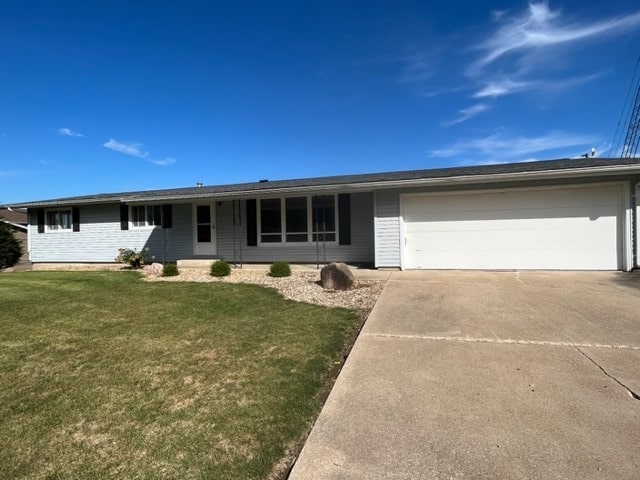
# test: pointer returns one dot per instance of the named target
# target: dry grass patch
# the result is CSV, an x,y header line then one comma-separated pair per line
x,y
105,376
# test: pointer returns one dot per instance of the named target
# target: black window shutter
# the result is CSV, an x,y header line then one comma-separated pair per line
x,y
124,217
344,218
75,218
252,223
40,217
167,216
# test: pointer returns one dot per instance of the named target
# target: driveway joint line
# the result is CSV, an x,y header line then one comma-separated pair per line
x,y
507,341
631,392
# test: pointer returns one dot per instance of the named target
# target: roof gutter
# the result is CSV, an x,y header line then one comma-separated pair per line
x,y
16,225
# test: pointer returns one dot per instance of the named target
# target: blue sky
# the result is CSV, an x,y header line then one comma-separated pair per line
x,y
112,96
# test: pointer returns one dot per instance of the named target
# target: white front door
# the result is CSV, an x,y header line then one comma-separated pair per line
x,y
204,229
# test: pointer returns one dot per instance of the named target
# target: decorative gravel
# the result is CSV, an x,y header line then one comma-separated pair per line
x,y
302,286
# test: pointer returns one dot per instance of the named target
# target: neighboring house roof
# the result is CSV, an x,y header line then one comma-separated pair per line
x,y
15,218
443,176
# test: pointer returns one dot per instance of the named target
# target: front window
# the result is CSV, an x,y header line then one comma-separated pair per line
x,y
324,218
146,215
58,220
297,220
270,220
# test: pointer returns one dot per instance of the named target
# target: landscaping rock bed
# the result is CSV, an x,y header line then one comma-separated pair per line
x,y
302,286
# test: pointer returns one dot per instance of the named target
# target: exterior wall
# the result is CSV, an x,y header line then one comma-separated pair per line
x,y
100,237
387,228
360,250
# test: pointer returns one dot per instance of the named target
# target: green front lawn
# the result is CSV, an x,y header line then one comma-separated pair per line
x,y
105,376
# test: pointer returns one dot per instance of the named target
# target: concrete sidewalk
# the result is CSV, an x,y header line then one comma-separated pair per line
x,y
488,375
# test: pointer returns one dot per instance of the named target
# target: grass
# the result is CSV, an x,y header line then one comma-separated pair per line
x,y
105,376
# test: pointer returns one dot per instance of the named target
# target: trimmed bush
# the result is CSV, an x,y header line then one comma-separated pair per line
x,y
220,268
133,257
10,249
170,270
280,269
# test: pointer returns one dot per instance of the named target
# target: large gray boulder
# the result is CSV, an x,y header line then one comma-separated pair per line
x,y
336,276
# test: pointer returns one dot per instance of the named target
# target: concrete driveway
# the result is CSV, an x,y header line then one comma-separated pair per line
x,y
488,375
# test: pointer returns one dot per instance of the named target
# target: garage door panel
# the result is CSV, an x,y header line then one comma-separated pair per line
x,y
512,202
584,224
593,212
512,260
501,240
571,228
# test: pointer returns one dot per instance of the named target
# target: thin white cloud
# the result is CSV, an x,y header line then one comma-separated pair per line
x,y
165,162
135,149
542,27
506,86
498,147
498,88
467,113
67,132
128,148
417,68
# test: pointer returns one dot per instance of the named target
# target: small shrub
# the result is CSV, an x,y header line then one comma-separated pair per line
x,y
134,258
280,269
10,249
220,268
170,270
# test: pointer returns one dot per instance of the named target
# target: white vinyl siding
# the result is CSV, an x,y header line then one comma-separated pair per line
x,y
100,237
387,228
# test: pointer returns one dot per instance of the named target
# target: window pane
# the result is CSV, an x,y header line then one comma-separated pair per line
x,y
137,216
202,214
271,238
204,233
270,216
297,237
324,213
296,219
51,221
149,215
324,237
65,219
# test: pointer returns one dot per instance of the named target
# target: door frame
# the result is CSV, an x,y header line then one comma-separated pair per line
x,y
202,249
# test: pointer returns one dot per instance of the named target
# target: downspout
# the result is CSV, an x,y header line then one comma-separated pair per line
x,y
29,234
635,231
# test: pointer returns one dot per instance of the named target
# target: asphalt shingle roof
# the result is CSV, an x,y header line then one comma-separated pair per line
x,y
337,181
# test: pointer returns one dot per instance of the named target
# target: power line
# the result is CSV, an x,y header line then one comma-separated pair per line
x,y
629,119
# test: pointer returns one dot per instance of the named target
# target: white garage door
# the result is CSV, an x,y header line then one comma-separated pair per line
x,y
570,228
